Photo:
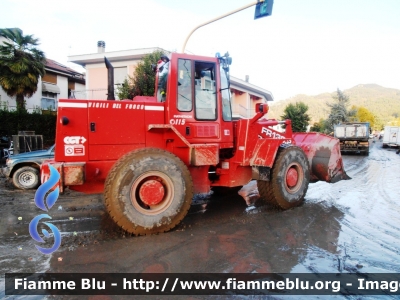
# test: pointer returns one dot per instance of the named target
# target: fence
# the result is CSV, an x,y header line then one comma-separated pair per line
x,y
12,122
97,94
238,110
26,142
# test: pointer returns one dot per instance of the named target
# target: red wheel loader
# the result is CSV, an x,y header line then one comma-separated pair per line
x,y
151,155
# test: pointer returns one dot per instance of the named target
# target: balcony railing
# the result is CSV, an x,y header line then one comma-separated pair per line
x,y
239,111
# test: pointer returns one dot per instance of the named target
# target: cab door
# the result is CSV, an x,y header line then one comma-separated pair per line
x,y
199,114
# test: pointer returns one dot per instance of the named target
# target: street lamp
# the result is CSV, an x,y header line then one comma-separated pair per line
x,y
263,9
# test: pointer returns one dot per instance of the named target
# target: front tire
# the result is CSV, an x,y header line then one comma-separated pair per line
x,y
26,178
148,191
289,180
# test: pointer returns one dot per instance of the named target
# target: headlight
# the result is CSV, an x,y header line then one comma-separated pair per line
x,y
9,161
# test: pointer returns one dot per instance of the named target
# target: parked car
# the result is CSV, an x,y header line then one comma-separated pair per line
x,y
5,146
24,168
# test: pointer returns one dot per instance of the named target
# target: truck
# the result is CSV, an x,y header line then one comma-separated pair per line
x,y
353,137
151,155
391,136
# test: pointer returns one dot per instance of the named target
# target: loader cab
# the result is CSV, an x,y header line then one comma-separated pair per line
x,y
198,99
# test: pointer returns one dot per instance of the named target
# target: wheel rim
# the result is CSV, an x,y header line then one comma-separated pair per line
x,y
152,193
294,178
26,178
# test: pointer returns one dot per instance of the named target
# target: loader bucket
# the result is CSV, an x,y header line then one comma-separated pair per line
x,y
323,153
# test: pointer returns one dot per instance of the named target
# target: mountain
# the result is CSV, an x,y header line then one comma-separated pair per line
x,y
383,102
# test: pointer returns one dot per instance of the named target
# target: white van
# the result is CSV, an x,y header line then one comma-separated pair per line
x,y
391,136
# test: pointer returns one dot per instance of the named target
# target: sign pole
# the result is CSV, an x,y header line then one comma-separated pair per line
x,y
218,18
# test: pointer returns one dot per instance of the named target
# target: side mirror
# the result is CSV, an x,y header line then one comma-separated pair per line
x,y
262,108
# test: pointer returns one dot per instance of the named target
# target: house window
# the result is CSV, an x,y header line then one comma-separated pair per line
x,y
120,74
49,101
49,77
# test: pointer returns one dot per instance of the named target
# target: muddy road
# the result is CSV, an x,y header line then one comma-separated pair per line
x,y
350,226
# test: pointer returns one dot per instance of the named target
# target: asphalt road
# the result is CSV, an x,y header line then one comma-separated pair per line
x,y
350,226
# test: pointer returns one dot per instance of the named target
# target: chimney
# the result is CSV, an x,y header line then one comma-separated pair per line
x,y
247,78
101,47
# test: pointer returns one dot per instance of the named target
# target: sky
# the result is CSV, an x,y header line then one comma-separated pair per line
x,y
305,47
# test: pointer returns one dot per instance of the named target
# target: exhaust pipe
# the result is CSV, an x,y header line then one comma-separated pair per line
x,y
110,68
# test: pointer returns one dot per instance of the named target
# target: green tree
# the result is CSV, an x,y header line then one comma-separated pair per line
x,y
298,114
316,127
143,81
339,110
21,65
124,91
320,126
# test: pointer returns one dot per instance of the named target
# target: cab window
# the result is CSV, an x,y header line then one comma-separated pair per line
x,y
205,91
184,97
226,97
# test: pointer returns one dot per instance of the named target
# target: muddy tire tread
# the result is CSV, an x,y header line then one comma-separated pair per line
x,y
270,191
266,193
119,217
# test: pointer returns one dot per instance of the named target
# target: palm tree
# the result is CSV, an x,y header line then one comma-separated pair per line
x,y
21,65
298,114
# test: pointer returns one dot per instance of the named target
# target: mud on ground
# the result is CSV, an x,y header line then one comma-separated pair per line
x,y
349,226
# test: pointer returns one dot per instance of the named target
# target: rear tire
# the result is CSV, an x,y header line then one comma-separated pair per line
x,y
289,180
26,178
132,191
